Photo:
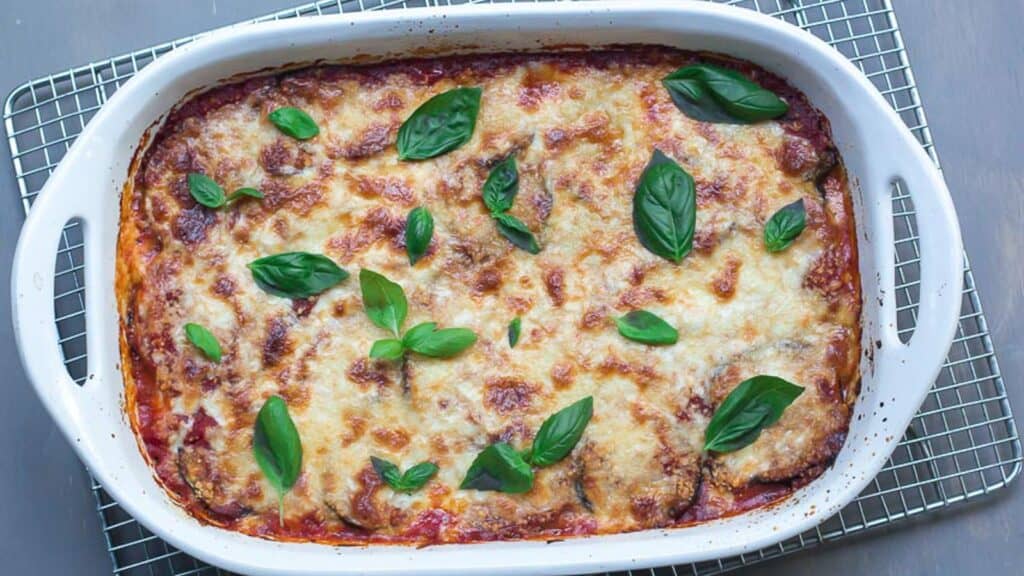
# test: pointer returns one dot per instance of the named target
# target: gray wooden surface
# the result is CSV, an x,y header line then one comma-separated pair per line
x,y
969,62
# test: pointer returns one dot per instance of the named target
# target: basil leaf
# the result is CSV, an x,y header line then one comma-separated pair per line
x,y
383,300
665,208
692,99
388,349
643,326
784,226
516,232
250,192
294,122
419,332
752,406
419,228
499,468
205,190
210,194
501,186
202,338
415,477
425,339
499,193
387,471
514,328
440,124
277,448
296,274
559,434
714,94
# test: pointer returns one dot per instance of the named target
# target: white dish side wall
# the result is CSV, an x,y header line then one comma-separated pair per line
x,y
874,144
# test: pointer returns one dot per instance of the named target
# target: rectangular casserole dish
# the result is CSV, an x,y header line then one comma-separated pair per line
x,y
893,384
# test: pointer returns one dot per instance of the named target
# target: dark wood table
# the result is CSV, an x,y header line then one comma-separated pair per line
x,y
968,58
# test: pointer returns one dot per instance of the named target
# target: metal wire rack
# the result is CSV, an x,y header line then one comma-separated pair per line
x,y
961,445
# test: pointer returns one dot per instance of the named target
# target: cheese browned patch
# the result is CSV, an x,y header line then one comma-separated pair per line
x,y
582,126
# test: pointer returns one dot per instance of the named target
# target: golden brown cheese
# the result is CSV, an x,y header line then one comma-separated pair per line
x,y
582,125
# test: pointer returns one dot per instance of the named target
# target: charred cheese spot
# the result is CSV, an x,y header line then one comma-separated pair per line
x,y
554,282
378,224
724,282
592,127
388,101
224,286
641,374
563,374
797,156
303,306
356,428
366,373
191,225
507,395
276,343
581,126
594,318
487,280
392,438
284,158
300,198
376,138
639,297
391,189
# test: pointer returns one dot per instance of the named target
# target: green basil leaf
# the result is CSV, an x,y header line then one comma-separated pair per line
x,y
383,300
665,208
250,192
499,468
277,448
202,338
425,339
643,326
296,274
440,124
387,349
419,229
516,232
741,97
205,190
514,328
751,407
784,226
294,122
559,434
419,332
415,477
387,471
692,99
714,94
501,186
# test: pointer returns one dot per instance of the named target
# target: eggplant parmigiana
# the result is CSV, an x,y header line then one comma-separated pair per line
x,y
489,297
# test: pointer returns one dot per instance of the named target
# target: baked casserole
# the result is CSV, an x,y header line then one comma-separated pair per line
x,y
489,297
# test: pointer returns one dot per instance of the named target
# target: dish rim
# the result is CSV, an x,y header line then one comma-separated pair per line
x,y
32,293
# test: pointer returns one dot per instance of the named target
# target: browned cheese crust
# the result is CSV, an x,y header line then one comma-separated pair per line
x,y
582,125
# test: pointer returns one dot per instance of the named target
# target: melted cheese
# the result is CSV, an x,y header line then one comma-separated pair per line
x,y
582,127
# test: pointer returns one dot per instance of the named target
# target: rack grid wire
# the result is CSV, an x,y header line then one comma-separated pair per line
x,y
962,444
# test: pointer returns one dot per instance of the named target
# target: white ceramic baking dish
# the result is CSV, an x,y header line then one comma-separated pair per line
x,y
874,144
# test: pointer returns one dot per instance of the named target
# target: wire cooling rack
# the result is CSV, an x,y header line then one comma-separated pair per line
x,y
961,445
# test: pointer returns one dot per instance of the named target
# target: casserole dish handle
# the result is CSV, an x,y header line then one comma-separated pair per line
x,y
32,295
940,263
